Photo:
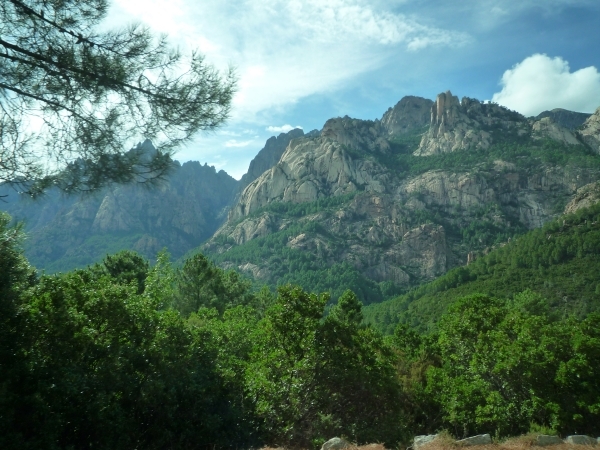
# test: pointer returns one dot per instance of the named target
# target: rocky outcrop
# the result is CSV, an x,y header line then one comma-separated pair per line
x,y
590,131
66,232
308,170
268,156
580,439
356,134
586,196
420,441
468,124
481,439
409,114
570,120
401,229
335,444
547,128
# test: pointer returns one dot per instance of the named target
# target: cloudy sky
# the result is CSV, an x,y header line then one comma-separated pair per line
x,y
301,62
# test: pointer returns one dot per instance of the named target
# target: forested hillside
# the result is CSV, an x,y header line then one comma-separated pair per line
x,y
125,354
560,261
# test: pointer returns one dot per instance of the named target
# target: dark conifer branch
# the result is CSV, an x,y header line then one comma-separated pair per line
x,y
94,93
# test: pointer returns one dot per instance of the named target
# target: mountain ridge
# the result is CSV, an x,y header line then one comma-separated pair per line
x,y
383,225
388,203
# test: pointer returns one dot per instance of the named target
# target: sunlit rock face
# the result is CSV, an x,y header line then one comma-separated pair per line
x,y
468,124
547,128
590,131
410,113
397,227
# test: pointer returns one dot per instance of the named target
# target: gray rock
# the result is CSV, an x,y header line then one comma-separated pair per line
x,y
581,439
480,439
335,444
590,131
568,119
544,439
424,439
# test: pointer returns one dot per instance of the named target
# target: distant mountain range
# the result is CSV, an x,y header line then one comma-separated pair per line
x,y
376,206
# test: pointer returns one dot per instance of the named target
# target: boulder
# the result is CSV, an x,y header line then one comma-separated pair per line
x,y
422,440
480,439
335,444
544,439
580,439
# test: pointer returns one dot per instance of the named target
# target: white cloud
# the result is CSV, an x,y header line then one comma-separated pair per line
x,y
282,129
235,143
286,50
541,83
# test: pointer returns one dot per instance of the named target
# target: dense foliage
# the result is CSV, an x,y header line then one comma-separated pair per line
x,y
500,367
126,355
292,266
561,261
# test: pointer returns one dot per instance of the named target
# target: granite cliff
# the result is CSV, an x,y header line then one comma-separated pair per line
x,y
374,205
413,202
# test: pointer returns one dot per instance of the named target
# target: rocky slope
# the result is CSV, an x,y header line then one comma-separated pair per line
x,y
590,132
411,204
377,205
269,155
568,119
67,232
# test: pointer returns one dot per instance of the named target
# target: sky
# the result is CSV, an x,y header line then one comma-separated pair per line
x,y
302,62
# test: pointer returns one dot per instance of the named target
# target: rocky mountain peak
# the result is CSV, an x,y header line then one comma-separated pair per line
x,y
410,113
355,133
466,124
269,155
568,119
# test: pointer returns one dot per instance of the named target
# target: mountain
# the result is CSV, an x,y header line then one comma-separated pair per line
x,y
386,205
560,261
568,119
184,210
268,156
376,206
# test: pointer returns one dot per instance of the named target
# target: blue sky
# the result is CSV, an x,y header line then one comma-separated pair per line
x,y
301,62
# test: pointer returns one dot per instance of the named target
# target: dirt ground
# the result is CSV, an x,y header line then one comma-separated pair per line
x,y
517,443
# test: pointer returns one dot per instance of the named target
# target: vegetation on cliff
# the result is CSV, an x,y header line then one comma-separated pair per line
x,y
560,261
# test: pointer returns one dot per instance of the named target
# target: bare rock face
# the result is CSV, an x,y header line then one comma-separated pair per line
x,y
391,226
410,113
547,128
269,155
570,120
590,131
467,124
586,196
357,134
310,169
